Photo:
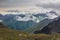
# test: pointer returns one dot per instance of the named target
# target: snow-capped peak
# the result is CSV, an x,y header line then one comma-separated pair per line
x,y
27,18
51,14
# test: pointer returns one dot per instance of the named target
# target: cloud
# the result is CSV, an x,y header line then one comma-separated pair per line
x,y
50,5
16,3
45,4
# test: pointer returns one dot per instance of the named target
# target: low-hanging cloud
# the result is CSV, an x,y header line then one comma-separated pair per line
x,y
50,5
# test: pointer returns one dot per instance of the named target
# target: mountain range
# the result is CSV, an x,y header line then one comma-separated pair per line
x,y
26,21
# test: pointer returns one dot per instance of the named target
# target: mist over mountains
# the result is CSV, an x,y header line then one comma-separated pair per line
x,y
25,21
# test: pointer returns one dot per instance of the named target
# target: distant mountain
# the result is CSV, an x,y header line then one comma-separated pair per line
x,y
12,11
22,21
53,12
39,26
43,15
27,21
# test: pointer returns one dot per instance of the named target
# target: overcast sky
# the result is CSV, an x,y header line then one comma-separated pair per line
x,y
47,4
16,3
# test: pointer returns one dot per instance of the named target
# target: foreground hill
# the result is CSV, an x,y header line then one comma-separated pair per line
x,y
8,34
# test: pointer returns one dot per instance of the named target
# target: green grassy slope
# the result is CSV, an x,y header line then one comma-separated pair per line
x,y
7,34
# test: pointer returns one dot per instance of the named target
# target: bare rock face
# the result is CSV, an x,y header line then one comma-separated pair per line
x,y
53,27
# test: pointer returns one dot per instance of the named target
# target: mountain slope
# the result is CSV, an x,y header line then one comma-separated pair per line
x,y
39,26
53,27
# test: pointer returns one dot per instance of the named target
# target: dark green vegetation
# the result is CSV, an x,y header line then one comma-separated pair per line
x,y
8,34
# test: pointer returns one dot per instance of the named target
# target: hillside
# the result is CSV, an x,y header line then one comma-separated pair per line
x,y
8,34
39,26
53,27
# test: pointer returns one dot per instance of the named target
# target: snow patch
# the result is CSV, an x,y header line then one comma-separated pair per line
x,y
51,16
27,18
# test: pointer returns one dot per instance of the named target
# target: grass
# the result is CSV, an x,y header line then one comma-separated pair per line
x,y
7,34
